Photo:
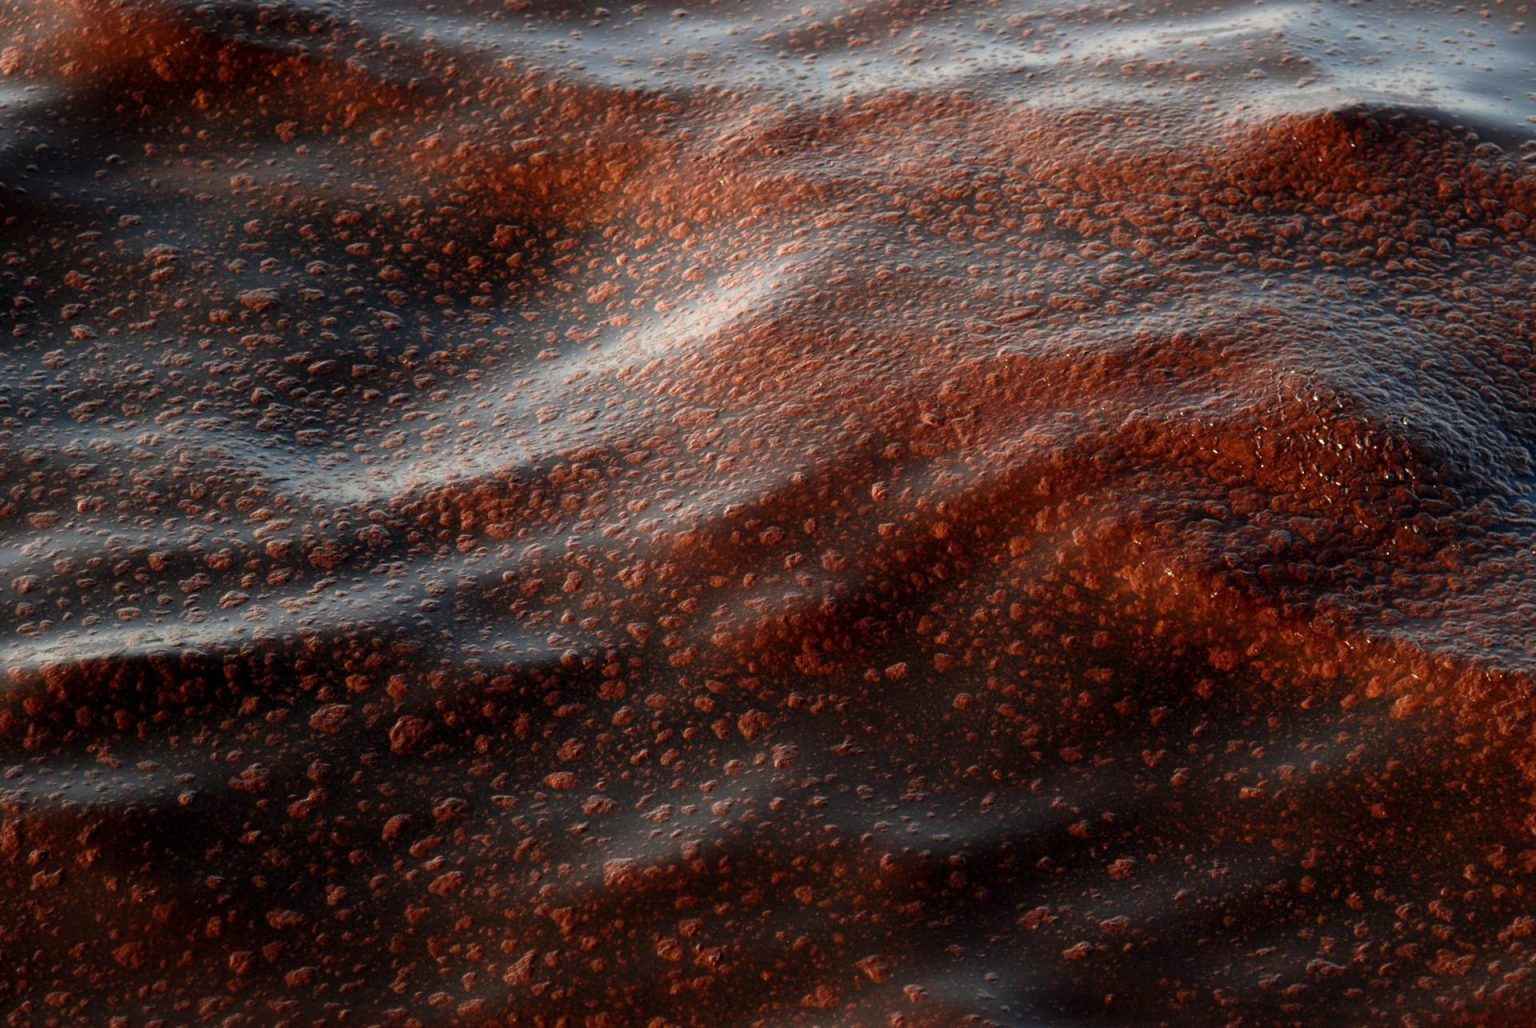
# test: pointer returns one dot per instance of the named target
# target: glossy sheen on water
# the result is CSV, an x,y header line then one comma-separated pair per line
x,y
766,513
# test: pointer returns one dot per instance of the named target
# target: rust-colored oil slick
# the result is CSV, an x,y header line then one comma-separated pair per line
x,y
765,513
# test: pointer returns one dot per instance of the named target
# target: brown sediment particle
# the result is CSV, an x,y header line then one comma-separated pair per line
x,y
408,733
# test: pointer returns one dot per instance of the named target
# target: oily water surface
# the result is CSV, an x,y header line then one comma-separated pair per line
x,y
831,513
